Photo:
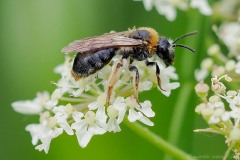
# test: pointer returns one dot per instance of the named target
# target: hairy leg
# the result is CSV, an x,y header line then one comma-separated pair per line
x,y
136,79
114,78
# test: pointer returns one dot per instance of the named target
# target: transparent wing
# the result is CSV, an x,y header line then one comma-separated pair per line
x,y
108,40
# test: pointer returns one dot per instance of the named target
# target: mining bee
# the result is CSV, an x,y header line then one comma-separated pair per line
x,y
139,44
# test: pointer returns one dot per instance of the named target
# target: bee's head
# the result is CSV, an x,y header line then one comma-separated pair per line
x,y
165,48
165,51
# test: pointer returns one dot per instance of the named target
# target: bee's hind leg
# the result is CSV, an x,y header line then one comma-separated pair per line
x,y
136,81
113,79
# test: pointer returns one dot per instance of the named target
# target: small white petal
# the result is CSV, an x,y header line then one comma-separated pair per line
x,y
175,85
78,125
95,129
57,93
112,125
120,105
27,107
148,4
47,138
93,105
133,115
146,121
118,100
77,92
167,10
84,139
214,120
44,146
170,72
121,114
201,74
101,115
146,85
202,5
63,123
36,130
50,104
81,128
77,115
147,109
56,132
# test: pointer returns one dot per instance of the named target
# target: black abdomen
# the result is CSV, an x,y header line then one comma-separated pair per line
x,y
86,64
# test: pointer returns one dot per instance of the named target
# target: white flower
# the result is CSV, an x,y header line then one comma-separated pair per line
x,y
34,106
47,138
202,5
62,113
166,7
112,125
99,105
201,74
45,132
165,75
116,113
56,95
217,86
65,69
230,35
206,65
144,86
234,102
148,4
83,85
231,65
137,113
86,127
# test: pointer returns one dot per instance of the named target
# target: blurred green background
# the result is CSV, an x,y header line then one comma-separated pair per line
x,y
32,34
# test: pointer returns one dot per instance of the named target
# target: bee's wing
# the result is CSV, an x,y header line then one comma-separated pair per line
x,y
108,40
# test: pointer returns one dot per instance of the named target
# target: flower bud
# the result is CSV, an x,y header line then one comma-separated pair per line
x,y
202,90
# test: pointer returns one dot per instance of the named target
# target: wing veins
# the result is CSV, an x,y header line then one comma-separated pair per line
x,y
109,40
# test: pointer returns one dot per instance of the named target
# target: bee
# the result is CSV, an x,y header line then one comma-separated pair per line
x,y
138,44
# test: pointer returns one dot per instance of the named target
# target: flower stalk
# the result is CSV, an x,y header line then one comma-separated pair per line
x,y
158,141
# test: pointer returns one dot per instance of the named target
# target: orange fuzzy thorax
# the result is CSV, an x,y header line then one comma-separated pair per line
x,y
153,39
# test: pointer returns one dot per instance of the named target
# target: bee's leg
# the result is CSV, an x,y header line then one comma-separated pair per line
x,y
113,79
134,68
157,73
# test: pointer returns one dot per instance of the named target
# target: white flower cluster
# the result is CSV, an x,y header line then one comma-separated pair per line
x,y
79,107
219,63
168,7
221,111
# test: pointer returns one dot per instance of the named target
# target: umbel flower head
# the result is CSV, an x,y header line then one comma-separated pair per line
x,y
221,111
79,107
168,8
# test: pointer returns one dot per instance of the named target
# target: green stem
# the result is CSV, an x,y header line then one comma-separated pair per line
x,y
158,141
223,132
74,100
186,90
179,113
232,144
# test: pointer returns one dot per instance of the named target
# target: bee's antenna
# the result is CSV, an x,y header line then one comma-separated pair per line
x,y
183,46
185,35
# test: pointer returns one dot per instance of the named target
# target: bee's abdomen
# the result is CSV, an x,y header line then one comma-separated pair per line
x,y
86,64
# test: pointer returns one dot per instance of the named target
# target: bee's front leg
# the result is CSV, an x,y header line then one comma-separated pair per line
x,y
157,73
